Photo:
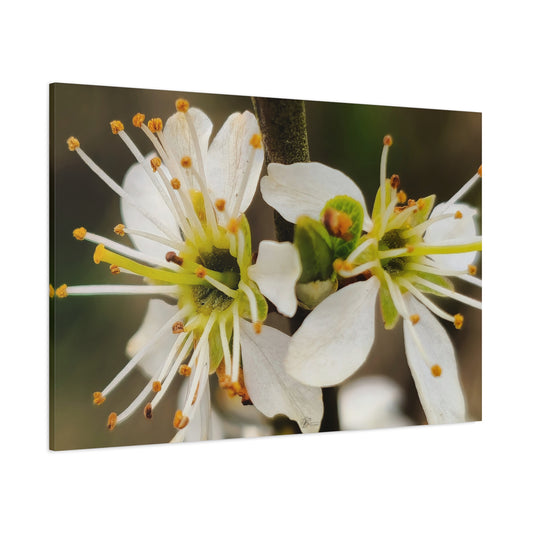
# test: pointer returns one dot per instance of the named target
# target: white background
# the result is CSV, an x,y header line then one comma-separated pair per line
x,y
454,55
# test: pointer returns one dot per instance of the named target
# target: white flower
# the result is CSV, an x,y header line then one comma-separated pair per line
x,y
405,254
183,209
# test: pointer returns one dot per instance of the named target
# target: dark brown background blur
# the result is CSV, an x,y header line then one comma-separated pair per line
x,y
434,151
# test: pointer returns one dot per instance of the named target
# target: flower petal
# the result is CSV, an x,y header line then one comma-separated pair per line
x,y
371,402
442,396
304,188
276,272
139,186
179,136
271,389
157,313
229,168
457,229
335,339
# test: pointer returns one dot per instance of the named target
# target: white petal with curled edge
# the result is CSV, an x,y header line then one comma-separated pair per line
x,y
276,272
179,136
304,188
442,396
157,313
231,161
449,230
271,389
140,187
335,339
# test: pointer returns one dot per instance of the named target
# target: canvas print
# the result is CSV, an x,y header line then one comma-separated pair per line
x,y
232,267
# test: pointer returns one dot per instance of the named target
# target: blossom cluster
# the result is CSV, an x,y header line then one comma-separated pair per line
x,y
183,208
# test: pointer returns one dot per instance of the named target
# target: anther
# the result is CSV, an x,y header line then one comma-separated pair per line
x,y
186,162
200,272
337,223
255,141
233,225
156,163
479,171
61,292
119,230
410,202
98,399
410,248
73,143
458,320
402,197
185,370
436,370
395,181
387,140
155,124
112,421
180,421
258,326
156,386
173,257
148,411
79,233
138,120
178,327
114,269
175,183
421,203
338,264
414,318
472,270
116,126
220,204
458,215
182,105
52,292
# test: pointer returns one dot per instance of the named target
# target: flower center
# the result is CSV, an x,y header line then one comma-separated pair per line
x,y
390,241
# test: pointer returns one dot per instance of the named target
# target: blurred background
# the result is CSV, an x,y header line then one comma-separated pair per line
x,y
434,151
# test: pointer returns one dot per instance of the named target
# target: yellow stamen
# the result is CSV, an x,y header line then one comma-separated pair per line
x,y
410,202
61,292
52,292
200,272
186,161
73,143
410,248
338,264
258,326
116,126
220,204
79,233
436,370
112,421
180,421
155,124
421,203
472,270
479,171
175,183
182,105
114,269
98,399
178,327
185,370
156,386
402,197
255,141
233,226
395,181
458,320
138,120
387,140
119,230
414,318
148,411
156,163
458,215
